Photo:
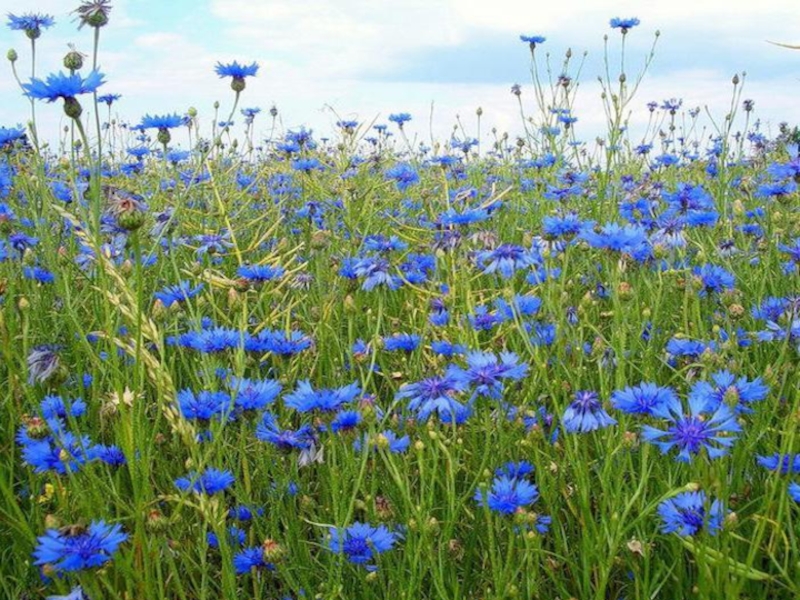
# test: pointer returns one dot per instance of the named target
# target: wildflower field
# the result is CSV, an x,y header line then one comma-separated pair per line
x,y
358,367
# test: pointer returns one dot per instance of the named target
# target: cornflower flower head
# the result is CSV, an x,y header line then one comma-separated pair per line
x,y
486,373
643,398
251,559
715,431
400,119
586,413
403,174
260,273
109,99
62,550
75,594
204,406
177,294
726,388
163,123
689,512
713,279
506,260
360,543
307,399
211,481
515,470
406,342
31,23
437,394
66,87
237,73
507,494
252,394
285,440
281,343
624,24
794,491
375,271
533,40
54,407
783,463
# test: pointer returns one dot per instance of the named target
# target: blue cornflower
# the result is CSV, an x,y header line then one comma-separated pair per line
x,y
91,548
624,24
713,279
237,72
506,260
793,264
63,453
515,470
211,481
403,174
406,342
205,405
251,558
254,394
211,340
8,136
437,394
689,512
785,463
627,239
260,273
716,431
54,407
586,413
176,294
483,320
31,23
111,455
382,244
281,343
285,440
386,439
533,40
507,494
566,226
737,393
75,594
345,420
643,398
306,165
109,99
306,399
38,274
400,118
361,542
685,348
66,87
486,373
794,491
447,349
161,121
375,271
236,537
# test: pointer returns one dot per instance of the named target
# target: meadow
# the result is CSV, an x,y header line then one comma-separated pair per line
x,y
356,366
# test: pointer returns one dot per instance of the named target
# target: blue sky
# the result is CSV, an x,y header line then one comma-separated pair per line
x,y
364,59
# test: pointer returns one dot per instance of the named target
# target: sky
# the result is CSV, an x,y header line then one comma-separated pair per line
x,y
439,60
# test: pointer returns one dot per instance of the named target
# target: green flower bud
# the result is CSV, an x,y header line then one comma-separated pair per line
x,y
72,108
12,56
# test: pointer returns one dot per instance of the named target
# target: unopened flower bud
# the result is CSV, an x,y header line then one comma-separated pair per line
x,y
11,55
